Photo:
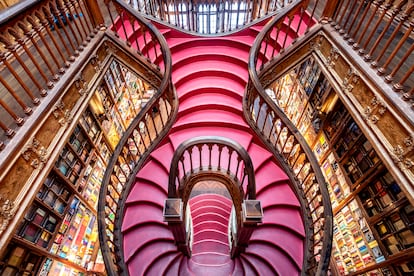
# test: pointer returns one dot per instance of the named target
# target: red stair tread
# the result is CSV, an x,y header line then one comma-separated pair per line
x,y
164,155
141,213
289,242
207,224
210,117
154,172
217,84
149,253
268,174
142,235
286,216
144,190
281,195
214,259
213,100
258,155
210,246
157,267
261,264
211,234
278,259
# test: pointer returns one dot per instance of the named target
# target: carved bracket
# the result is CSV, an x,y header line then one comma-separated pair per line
x,y
400,153
40,154
61,114
375,111
6,212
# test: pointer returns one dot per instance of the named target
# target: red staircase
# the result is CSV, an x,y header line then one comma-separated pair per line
x,y
210,75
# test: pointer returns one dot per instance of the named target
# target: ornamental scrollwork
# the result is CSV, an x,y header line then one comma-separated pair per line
x,y
61,114
81,85
39,159
351,79
400,153
333,57
6,212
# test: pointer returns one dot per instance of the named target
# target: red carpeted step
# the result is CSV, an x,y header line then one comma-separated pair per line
x,y
148,254
210,258
286,216
261,264
158,266
209,212
248,267
142,212
282,238
271,257
164,155
205,246
153,193
139,237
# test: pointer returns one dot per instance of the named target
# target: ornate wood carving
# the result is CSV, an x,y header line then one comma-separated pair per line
x,y
6,212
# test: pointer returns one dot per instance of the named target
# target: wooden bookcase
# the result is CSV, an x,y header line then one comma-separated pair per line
x,y
373,219
59,235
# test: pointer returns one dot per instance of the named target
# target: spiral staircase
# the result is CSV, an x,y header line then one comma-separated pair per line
x,y
210,75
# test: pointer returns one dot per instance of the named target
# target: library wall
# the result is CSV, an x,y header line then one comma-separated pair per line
x,y
373,215
56,231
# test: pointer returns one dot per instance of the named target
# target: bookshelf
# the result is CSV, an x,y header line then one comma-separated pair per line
x,y
61,223
373,219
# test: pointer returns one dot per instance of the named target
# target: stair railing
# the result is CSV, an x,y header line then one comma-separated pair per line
x,y
40,41
223,159
383,34
209,17
285,141
145,132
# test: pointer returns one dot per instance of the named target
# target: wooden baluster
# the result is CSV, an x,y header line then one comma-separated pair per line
x,y
410,94
30,33
51,22
265,120
339,26
123,17
34,99
351,36
67,22
383,69
404,17
190,153
56,15
278,27
21,40
151,114
18,120
144,36
9,132
239,163
330,8
385,8
88,26
220,149
210,148
200,150
77,18
349,13
135,36
13,47
38,28
230,152
368,8
394,13
154,39
109,10
94,12
290,19
397,67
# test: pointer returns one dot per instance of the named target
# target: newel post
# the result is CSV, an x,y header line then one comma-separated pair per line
x,y
252,215
179,224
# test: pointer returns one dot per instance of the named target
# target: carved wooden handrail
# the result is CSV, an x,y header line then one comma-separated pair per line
x,y
143,135
209,156
196,155
382,32
284,140
215,17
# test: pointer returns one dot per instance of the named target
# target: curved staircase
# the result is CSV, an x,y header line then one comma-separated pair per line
x,y
210,75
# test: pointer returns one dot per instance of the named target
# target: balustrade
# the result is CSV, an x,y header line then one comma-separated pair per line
x,y
284,139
